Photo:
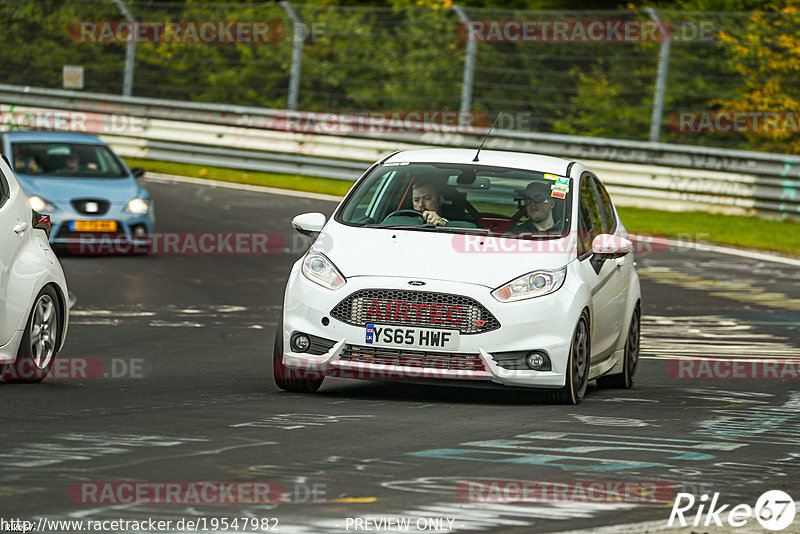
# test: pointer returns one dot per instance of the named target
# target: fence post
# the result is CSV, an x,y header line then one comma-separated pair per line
x,y
130,49
661,76
297,55
469,63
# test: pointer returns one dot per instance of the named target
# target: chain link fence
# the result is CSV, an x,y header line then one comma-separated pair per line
x,y
595,73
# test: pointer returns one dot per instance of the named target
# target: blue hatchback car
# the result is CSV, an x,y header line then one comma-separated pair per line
x,y
89,193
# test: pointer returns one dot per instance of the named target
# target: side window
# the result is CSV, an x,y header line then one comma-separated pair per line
x,y
606,208
591,221
5,189
375,198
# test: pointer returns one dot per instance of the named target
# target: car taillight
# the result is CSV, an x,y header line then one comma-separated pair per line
x,y
42,222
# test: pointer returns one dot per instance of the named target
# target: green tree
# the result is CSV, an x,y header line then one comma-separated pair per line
x,y
767,56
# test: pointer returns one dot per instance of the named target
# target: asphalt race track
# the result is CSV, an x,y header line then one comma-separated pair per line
x,y
179,390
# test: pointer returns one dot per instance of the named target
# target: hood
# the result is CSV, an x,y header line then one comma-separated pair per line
x,y
472,259
59,189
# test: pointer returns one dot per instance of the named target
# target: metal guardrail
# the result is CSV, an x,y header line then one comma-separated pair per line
x,y
639,173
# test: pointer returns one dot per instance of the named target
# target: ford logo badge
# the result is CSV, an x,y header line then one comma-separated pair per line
x,y
416,283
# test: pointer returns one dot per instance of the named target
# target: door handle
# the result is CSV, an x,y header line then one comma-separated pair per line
x,y
20,227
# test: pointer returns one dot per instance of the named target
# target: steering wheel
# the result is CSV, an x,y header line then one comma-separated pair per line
x,y
407,213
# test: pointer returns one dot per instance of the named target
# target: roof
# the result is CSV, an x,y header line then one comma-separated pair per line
x,y
41,136
493,158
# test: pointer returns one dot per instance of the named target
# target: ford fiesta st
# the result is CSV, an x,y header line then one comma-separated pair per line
x,y
34,310
493,268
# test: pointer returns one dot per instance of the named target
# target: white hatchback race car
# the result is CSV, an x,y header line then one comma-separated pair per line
x,y
495,268
34,305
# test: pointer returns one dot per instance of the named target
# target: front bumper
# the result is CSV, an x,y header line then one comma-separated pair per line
x,y
544,323
131,234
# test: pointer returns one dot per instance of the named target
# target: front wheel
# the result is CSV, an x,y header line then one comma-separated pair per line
x,y
624,380
290,379
39,342
577,366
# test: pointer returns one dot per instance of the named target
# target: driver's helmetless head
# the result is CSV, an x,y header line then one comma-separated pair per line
x,y
538,202
426,198
72,161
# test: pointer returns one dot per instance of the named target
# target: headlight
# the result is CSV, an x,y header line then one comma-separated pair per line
x,y
321,270
39,204
531,285
138,205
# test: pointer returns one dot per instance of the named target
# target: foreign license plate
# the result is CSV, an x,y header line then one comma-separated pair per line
x,y
414,338
93,226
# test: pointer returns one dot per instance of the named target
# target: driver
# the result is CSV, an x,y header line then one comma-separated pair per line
x,y
428,201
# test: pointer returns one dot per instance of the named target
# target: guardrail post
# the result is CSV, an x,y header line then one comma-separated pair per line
x,y
661,76
469,63
130,49
297,54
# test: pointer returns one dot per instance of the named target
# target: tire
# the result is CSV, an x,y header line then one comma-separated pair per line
x,y
624,380
37,352
577,366
290,379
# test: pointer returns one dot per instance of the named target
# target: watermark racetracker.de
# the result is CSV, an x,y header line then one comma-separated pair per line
x,y
195,493
733,369
178,243
82,368
185,31
564,491
13,118
584,31
734,122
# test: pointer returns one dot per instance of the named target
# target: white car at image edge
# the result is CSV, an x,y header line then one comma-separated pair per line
x,y
34,301
451,266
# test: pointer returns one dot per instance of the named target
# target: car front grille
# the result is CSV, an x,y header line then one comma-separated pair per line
x,y
413,358
415,308
91,206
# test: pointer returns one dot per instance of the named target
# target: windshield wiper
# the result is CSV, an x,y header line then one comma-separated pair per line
x,y
465,229
426,226
429,226
534,235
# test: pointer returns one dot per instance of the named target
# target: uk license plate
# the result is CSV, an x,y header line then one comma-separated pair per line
x,y
93,226
412,337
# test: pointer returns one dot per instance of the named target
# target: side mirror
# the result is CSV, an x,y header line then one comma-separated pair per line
x,y
41,222
137,172
611,246
607,247
309,224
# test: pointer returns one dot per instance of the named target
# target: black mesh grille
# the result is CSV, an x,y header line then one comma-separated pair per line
x,y
413,358
513,361
415,308
319,345
91,206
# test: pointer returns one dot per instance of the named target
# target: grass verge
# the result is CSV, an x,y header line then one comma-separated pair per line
x,y
747,232
328,186
699,226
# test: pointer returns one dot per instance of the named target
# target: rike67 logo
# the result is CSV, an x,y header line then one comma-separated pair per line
x,y
774,510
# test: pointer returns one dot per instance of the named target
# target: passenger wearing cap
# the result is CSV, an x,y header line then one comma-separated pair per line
x,y
539,206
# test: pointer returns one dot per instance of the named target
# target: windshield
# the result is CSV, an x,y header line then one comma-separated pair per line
x,y
66,159
461,198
